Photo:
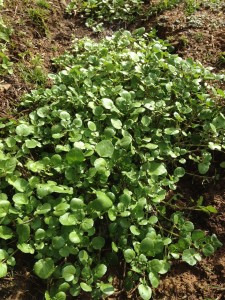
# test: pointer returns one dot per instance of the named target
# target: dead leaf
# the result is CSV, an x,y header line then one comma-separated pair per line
x,y
4,87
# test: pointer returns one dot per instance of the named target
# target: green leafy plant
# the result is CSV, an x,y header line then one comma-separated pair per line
x,y
38,17
5,32
85,178
193,5
5,64
221,59
33,71
43,4
97,12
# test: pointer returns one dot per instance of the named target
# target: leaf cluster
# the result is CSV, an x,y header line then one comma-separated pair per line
x,y
85,177
98,12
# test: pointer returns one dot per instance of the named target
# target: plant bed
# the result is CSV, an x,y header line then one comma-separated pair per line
x,y
91,169
182,278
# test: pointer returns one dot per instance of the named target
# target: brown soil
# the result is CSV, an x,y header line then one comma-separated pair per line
x,y
33,39
200,36
206,280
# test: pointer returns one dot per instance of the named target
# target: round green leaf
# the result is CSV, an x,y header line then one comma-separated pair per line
x,y
74,237
187,226
109,132
154,279
147,246
31,144
102,203
75,155
6,233
85,287
100,270
107,103
83,257
105,148
100,164
153,220
64,115
3,269
107,289
125,141
42,112
68,273
20,199
76,203
3,254
44,268
179,172
208,250
11,261
43,209
197,235
23,231
20,184
87,224
145,120
24,130
58,242
156,168
188,256
129,255
98,242
91,126
40,234
75,290
145,292
60,296
4,207
203,168
25,248
134,230
68,219
11,142
222,164
116,123
171,131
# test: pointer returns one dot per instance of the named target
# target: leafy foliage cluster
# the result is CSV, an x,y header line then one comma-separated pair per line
x,y
85,178
98,12
5,32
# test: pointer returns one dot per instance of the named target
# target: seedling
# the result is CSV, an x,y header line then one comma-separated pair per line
x,y
38,17
43,4
221,59
34,71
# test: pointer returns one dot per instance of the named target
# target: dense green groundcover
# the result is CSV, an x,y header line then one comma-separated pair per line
x,y
98,13
85,177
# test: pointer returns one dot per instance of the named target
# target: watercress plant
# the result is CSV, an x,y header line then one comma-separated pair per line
x,y
97,12
86,177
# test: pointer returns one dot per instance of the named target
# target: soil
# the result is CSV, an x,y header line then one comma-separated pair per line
x,y
201,36
206,280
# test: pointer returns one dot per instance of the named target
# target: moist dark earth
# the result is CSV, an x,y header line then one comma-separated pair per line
x,y
201,36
